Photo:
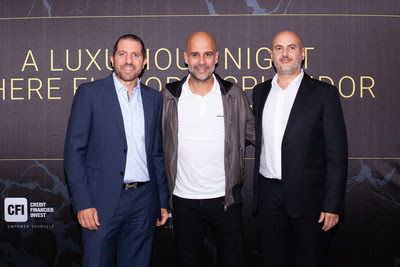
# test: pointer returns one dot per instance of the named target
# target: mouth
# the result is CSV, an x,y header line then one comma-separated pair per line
x,y
201,68
285,60
127,68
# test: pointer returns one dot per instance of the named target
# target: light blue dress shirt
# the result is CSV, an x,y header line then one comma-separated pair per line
x,y
133,116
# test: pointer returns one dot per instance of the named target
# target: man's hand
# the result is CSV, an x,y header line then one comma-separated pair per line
x,y
329,219
164,217
88,218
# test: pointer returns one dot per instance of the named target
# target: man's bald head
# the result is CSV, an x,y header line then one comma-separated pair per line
x,y
288,34
287,53
203,37
201,55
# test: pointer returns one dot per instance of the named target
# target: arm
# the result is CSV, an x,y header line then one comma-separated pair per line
x,y
75,150
159,166
335,140
250,122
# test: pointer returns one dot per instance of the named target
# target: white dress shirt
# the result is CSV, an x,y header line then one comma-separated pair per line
x,y
276,113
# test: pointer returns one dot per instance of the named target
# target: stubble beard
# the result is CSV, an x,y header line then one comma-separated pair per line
x,y
200,79
126,78
288,70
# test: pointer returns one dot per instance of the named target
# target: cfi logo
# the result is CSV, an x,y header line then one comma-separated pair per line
x,y
15,209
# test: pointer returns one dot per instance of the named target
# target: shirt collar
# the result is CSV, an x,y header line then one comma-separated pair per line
x,y
119,87
293,84
187,92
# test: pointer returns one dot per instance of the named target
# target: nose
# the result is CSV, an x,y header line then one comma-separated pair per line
x,y
284,51
201,59
128,59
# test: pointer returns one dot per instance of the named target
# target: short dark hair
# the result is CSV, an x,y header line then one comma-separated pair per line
x,y
132,37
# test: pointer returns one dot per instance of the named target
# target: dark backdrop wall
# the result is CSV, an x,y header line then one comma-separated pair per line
x,y
49,47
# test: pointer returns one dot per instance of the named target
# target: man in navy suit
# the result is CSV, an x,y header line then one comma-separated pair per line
x,y
114,162
300,159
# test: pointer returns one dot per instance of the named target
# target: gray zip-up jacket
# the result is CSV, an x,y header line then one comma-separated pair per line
x,y
239,127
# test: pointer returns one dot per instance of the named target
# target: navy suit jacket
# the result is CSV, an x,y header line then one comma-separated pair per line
x,y
314,149
95,148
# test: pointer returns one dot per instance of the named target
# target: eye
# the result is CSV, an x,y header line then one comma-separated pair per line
x,y
209,54
121,54
194,54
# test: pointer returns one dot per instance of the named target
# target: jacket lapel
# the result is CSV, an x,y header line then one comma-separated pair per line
x,y
302,95
113,104
148,111
262,99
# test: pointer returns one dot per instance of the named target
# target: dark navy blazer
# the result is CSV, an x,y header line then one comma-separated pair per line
x,y
96,149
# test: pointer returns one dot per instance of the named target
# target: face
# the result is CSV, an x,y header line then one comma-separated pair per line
x,y
201,56
128,61
287,53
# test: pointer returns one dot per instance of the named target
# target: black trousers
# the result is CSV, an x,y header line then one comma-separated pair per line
x,y
191,217
288,241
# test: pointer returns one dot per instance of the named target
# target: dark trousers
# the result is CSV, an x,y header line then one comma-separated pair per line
x,y
288,241
191,218
127,237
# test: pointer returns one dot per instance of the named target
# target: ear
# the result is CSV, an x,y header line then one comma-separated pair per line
x,y
186,56
216,56
112,61
303,53
144,63
271,54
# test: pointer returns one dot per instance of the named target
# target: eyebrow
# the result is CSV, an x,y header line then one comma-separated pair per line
x,y
280,45
206,52
124,51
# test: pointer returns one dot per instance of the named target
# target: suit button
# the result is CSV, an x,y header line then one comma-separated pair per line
x,y
125,150
122,173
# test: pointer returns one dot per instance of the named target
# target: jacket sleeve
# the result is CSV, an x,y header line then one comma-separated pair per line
x,y
336,153
75,150
158,157
250,122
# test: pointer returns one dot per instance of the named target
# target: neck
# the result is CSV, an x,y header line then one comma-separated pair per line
x,y
128,84
201,87
285,79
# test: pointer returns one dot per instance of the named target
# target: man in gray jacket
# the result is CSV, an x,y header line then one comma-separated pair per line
x,y
206,122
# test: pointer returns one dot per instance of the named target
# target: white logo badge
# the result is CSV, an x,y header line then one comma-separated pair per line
x,y
16,209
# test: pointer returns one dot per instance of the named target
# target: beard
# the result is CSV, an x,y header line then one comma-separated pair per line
x,y
288,68
127,77
203,77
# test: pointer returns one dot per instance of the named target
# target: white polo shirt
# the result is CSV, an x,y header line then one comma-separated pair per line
x,y
276,113
201,136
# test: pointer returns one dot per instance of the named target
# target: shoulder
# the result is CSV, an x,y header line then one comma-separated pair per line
x,y
235,89
324,92
320,86
95,86
153,93
317,83
166,93
150,89
173,86
262,86
237,93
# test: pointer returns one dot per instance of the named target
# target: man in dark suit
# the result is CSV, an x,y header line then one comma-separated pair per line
x,y
300,159
114,162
